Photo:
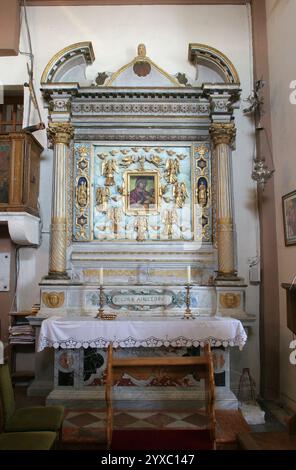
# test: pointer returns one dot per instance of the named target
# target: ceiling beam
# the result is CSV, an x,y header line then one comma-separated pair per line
x,y
133,2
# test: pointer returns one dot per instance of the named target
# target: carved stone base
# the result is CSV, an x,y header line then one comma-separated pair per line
x,y
227,277
57,276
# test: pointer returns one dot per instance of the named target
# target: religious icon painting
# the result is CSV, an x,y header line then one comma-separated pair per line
x,y
289,213
141,192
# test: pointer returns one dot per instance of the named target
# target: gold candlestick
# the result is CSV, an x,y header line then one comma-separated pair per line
x,y
100,313
188,314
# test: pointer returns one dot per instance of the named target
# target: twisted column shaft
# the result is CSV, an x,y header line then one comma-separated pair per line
x,y
60,134
223,135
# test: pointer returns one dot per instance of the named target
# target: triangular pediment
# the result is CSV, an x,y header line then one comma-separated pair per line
x,y
141,72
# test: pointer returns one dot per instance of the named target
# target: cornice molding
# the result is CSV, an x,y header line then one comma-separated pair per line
x,y
133,2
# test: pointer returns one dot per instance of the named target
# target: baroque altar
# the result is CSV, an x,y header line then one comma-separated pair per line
x,y
142,187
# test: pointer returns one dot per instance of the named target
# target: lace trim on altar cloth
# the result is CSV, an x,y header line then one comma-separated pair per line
x,y
151,342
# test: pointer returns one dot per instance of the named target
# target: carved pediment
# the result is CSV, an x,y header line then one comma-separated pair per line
x,y
141,72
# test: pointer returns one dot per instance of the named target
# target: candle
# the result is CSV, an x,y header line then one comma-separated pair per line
x,y
101,276
1,353
189,274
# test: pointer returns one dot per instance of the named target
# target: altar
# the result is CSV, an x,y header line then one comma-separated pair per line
x,y
142,195
80,354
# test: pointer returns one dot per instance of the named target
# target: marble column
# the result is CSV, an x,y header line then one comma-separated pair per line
x,y
60,134
223,135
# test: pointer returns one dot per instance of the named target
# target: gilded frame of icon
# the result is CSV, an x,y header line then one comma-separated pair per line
x,y
141,192
289,216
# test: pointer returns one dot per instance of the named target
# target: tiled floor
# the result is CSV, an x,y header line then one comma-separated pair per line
x,y
136,419
88,427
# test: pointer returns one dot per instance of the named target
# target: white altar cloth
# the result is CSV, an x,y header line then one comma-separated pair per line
x,y
88,332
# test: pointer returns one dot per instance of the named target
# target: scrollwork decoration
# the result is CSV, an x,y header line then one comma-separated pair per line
x,y
82,193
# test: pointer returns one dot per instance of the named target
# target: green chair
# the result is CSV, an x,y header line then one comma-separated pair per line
x,y
27,440
33,418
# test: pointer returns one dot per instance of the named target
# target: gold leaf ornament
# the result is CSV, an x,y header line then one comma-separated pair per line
x,y
53,299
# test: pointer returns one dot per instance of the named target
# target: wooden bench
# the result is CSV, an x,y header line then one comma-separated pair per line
x,y
176,367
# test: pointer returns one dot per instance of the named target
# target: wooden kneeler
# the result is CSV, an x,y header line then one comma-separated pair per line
x,y
175,367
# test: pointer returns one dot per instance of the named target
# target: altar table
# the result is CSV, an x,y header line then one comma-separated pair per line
x,y
89,332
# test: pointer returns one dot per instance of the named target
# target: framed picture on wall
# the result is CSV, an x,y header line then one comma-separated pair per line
x,y
289,213
142,195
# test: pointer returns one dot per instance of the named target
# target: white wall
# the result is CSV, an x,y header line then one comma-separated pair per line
x,y
166,30
281,42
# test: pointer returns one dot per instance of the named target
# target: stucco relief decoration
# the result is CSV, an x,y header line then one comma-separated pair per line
x,y
203,191
141,66
53,299
134,192
82,193
140,71
230,300
142,192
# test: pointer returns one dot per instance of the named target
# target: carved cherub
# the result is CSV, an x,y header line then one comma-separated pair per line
x,y
180,194
156,160
141,51
127,161
108,169
172,170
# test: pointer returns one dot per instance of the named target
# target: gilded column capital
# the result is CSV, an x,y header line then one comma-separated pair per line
x,y
223,133
60,132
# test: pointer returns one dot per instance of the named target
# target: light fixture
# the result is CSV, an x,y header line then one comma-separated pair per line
x,y
261,173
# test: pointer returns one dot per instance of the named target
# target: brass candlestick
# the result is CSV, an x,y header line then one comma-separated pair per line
x,y
100,313
188,314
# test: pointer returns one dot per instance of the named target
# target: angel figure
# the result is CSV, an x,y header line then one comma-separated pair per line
x,y
141,227
180,194
170,218
108,169
172,170
115,215
102,196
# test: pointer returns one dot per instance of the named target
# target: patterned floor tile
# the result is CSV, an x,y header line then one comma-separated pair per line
x,y
124,419
181,425
196,419
83,419
141,414
139,424
159,420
